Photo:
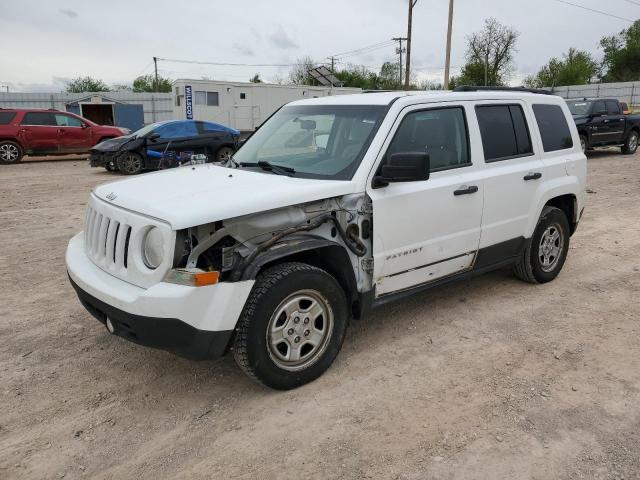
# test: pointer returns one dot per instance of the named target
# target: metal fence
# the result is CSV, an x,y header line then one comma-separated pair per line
x,y
156,106
624,91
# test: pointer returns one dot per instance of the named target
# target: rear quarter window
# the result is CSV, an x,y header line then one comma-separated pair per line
x,y
6,117
553,126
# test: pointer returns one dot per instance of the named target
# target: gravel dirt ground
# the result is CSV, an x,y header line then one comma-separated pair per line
x,y
488,379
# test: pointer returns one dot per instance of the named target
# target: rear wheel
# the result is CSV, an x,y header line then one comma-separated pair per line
x,y
631,143
224,154
544,256
129,163
10,152
292,326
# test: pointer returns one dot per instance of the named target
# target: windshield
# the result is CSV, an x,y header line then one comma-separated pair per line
x,y
579,108
320,141
147,130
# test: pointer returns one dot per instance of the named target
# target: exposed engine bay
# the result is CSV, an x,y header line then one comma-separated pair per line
x,y
232,245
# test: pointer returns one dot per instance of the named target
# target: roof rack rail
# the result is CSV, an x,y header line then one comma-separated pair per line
x,y
471,88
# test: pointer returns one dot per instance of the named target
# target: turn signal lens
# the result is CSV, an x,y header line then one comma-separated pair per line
x,y
191,277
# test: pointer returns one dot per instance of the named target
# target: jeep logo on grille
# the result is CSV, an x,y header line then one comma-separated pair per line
x,y
112,196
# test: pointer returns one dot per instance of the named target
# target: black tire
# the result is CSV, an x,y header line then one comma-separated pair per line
x,y
224,153
630,143
584,143
130,163
110,166
530,267
252,346
10,152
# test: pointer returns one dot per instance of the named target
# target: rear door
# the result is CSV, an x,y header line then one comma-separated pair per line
x,y
427,230
73,134
615,120
39,132
514,172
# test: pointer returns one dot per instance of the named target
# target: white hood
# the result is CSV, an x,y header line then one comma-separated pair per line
x,y
191,196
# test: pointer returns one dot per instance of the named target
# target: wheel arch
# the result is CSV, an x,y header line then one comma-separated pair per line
x,y
319,252
568,203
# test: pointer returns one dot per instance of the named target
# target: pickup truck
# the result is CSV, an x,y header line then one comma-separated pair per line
x,y
272,255
601,122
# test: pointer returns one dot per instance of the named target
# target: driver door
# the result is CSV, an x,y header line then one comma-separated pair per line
x,y
428,230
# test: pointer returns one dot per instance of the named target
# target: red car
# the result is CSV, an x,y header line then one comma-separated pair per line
x,y
48,132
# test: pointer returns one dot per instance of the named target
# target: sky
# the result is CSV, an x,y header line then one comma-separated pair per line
x,y
43,43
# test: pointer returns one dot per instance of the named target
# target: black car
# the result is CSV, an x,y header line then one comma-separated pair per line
x,y
146,148
601,122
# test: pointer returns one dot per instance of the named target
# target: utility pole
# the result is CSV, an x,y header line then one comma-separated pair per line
x,y
400,51
155,83
407,77
447,62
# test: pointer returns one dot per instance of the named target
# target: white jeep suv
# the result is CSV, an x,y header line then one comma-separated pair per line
x,y
333,207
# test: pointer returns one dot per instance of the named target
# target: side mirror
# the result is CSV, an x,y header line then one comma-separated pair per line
x,y
84,125
153,136
403,167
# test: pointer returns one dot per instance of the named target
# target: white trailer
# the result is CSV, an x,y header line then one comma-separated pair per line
x,y
240,105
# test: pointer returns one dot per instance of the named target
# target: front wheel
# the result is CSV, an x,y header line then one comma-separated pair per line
x,y
292,326
10,152
631,143
544,256
224,154
583,143
130,163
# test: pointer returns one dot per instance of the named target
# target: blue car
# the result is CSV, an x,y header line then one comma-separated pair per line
x,y
144,149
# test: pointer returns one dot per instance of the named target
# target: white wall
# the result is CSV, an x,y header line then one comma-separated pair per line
x,y
261,100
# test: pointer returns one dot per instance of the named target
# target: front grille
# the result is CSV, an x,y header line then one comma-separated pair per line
x,y
106,240
113,240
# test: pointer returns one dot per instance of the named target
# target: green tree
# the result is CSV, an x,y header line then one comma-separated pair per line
x,y
147,83
621,62
490,55
86,84
576,67
256,78
299,74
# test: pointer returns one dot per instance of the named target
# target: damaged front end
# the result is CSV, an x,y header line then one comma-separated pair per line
x,y
335,233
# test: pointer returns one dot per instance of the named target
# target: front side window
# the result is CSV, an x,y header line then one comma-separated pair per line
x,y
442,133
67,121
504,132
319,141
174,130
38,118
553,127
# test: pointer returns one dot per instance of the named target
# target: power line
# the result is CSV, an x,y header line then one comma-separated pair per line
x,y
358,50
223,64
595,11
632,2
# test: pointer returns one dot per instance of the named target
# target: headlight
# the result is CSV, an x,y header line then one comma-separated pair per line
x,y
153,248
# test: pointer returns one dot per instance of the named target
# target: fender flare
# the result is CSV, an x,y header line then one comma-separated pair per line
x,y
286,248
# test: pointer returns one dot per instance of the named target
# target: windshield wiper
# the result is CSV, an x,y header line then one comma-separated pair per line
x,y
270,167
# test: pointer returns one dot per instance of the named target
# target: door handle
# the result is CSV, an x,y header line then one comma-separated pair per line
x,y
465,190
532,176
606,121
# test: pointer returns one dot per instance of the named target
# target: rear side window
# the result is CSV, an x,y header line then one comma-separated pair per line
x,y
553,127
6,117
613,107
442,133
38,118
504,132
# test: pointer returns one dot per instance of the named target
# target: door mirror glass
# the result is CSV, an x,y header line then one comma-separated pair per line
x,y
404,167
153,136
